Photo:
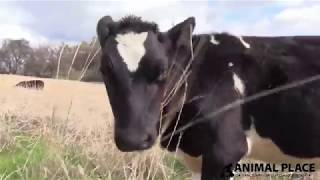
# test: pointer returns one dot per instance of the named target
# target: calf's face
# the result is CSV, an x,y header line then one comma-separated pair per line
x,y
134,63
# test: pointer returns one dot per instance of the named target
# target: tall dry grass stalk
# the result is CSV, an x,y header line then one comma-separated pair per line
x,y
74,57
170,93
88,64
180,81
93,42
59,60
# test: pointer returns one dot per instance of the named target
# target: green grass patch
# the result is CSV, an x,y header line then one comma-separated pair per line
x,y
22,158
180,172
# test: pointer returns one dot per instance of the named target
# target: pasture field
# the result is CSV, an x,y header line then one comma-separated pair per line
x,y
65,132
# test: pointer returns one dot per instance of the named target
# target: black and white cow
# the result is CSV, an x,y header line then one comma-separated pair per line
x,y
141,67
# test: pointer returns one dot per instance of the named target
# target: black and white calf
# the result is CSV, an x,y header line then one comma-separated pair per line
x,y
142,66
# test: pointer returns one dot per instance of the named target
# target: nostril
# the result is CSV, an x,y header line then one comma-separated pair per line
x,y
132,142
148,141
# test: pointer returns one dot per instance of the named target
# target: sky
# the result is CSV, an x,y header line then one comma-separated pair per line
x,y
50,22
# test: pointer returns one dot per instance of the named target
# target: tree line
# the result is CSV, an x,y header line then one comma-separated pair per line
x,y
76,62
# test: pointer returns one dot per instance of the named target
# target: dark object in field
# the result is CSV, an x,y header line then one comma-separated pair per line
x,y
33,84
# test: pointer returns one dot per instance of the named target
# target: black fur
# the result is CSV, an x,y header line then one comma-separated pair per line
x,y
135,24
289,118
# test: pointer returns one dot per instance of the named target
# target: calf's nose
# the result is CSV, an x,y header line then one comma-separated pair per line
x,y
128,142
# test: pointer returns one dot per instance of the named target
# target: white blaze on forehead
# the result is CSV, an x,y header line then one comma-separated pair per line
x,y
238,84
245,44
213,40
131,48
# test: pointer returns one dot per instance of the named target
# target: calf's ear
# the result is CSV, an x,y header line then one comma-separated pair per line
x,y
104,27
181,33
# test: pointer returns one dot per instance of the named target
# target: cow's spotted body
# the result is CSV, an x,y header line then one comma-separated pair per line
x,y
225,68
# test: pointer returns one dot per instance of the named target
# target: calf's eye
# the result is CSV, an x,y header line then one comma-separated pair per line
x,y
161,78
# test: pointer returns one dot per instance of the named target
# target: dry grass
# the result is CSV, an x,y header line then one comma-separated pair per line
x,y
65,132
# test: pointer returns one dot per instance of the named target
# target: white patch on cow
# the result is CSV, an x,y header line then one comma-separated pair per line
x,y
245,44
214,41
196,176
263,149
230,64
249,143
238,84
131,48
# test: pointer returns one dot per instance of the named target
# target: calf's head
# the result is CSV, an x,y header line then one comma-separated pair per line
x,y
134,63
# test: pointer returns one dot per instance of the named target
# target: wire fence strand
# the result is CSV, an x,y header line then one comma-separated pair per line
x,y
242,101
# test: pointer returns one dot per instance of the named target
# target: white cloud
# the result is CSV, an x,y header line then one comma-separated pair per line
x,y
299,14
13,21
16,23
293,20
52,22
18,32
11,14
304,20
293,3
143,5
165,13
